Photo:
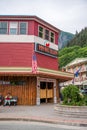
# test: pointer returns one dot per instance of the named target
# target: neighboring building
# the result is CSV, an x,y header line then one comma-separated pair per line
x,y
28,60
79,68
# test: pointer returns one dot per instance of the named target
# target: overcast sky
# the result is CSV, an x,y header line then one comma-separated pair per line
x,y
67,15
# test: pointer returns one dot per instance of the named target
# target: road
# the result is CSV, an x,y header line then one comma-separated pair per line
x,y
26,125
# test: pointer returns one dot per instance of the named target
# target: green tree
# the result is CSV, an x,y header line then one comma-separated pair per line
x,y
80,39
66,55
71,96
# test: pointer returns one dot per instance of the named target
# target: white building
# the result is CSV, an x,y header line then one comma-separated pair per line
x,y
79,66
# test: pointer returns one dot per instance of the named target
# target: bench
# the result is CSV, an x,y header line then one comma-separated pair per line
x,y
14,100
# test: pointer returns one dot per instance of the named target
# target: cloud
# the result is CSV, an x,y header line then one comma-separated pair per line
x,y
68,15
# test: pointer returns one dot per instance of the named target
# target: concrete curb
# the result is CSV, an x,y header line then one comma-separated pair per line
x,y
60,122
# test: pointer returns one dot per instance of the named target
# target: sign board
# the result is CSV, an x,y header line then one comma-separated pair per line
x,y
46,50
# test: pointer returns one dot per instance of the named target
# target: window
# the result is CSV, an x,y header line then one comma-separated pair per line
x,y
23,28
47,34
3,27
40,32
13,28
52,37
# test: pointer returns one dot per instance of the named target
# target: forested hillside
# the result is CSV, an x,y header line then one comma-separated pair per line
x,y
77,48
80,39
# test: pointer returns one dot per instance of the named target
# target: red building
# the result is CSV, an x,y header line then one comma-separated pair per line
x,y
29,59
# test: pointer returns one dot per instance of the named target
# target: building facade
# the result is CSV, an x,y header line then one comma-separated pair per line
x,y
28,60
79,68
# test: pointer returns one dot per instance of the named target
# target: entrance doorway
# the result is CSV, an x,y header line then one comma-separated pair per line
x,y
46,92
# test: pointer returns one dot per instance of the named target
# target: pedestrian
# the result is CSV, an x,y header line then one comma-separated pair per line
x,y
7,100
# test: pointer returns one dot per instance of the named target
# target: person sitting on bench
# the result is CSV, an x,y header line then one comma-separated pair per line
x,y
8,98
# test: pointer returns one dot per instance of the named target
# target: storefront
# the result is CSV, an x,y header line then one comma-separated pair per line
x,y
29,67
33,89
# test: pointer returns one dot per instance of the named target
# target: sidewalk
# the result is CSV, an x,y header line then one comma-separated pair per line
x,y
42,113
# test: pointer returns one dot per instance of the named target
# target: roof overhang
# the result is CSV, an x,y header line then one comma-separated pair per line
x,y
19,71
29,17
77,61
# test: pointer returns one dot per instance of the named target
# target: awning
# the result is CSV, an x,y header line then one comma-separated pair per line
x,y
27,71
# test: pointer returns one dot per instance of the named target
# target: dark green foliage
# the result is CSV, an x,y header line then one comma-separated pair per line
x,y
68,50
80,39
72,96
76,48
82,52
85,99
66,55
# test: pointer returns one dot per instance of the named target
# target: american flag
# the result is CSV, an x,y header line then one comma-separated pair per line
x,y
34,64
77,72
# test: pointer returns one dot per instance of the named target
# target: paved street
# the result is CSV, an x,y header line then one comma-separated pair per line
x,y
21,125
42,113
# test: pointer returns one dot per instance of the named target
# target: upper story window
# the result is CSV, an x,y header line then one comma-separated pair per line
x,y
40,31
3,27
13,28
23,28
47,34
52,37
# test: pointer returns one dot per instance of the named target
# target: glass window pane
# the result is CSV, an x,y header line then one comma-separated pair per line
x,y
13,31
47,34
52,37
22,25
13,24
41,29
40,32
3,27
3,31
52,34
22,31
13,28
23,28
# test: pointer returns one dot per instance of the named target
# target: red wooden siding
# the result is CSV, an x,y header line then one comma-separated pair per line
x,y
56,38
31,28
35,28
47,62
16,55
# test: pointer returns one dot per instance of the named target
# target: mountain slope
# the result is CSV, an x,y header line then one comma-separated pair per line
x,y
64,38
